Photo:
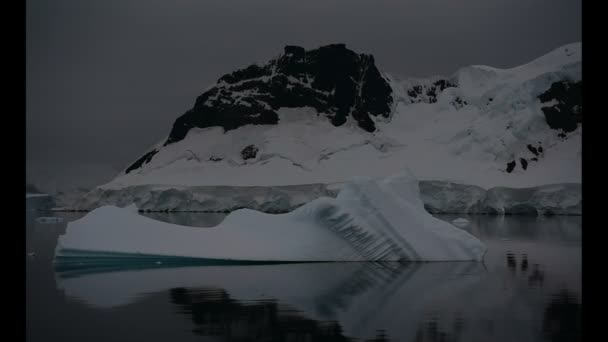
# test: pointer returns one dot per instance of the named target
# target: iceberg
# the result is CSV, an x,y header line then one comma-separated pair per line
x,y
369,220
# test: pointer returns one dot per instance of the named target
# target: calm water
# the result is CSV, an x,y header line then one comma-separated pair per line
x,y
527,289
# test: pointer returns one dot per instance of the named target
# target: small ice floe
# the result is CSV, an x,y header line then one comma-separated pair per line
x,y
460,222
47,220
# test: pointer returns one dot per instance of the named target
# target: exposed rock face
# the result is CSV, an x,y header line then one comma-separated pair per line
x,y
141,161
249,152
563,109
510,166
334,80
428,93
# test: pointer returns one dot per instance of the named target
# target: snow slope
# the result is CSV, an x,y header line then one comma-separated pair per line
x,y
369,220
482,127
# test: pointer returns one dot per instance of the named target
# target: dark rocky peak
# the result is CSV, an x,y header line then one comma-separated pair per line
x,y
428,90
334,80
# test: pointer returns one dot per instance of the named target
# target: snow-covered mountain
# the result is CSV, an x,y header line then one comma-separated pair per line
x,y
325,115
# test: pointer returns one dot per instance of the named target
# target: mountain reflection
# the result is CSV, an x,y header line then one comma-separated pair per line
x,y
562,319
443,301
216,314
300,302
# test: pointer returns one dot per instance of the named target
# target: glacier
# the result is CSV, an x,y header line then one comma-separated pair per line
x,y
439,197
369,220
551,199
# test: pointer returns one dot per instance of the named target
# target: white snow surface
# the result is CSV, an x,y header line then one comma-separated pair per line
x,y
369,220
468,144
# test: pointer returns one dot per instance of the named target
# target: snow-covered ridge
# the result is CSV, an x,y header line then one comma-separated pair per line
x,y
487,127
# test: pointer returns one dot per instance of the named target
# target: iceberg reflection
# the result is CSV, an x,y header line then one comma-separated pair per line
x,y
359,297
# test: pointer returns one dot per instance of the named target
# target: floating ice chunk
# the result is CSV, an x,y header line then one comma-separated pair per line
x,y
460,222
369,220
49,220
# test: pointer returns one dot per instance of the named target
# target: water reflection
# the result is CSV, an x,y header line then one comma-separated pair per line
x,y
537,277
527,289
524,263
430,331
562,320
511,262
360,298
215,313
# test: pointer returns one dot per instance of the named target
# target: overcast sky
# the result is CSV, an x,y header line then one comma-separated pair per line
x,y
106,79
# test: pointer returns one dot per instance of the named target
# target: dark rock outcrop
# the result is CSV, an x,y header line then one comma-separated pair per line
x,y
332,79
568,112
249,152
510,166
458,102
428,93
533,149
141,161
